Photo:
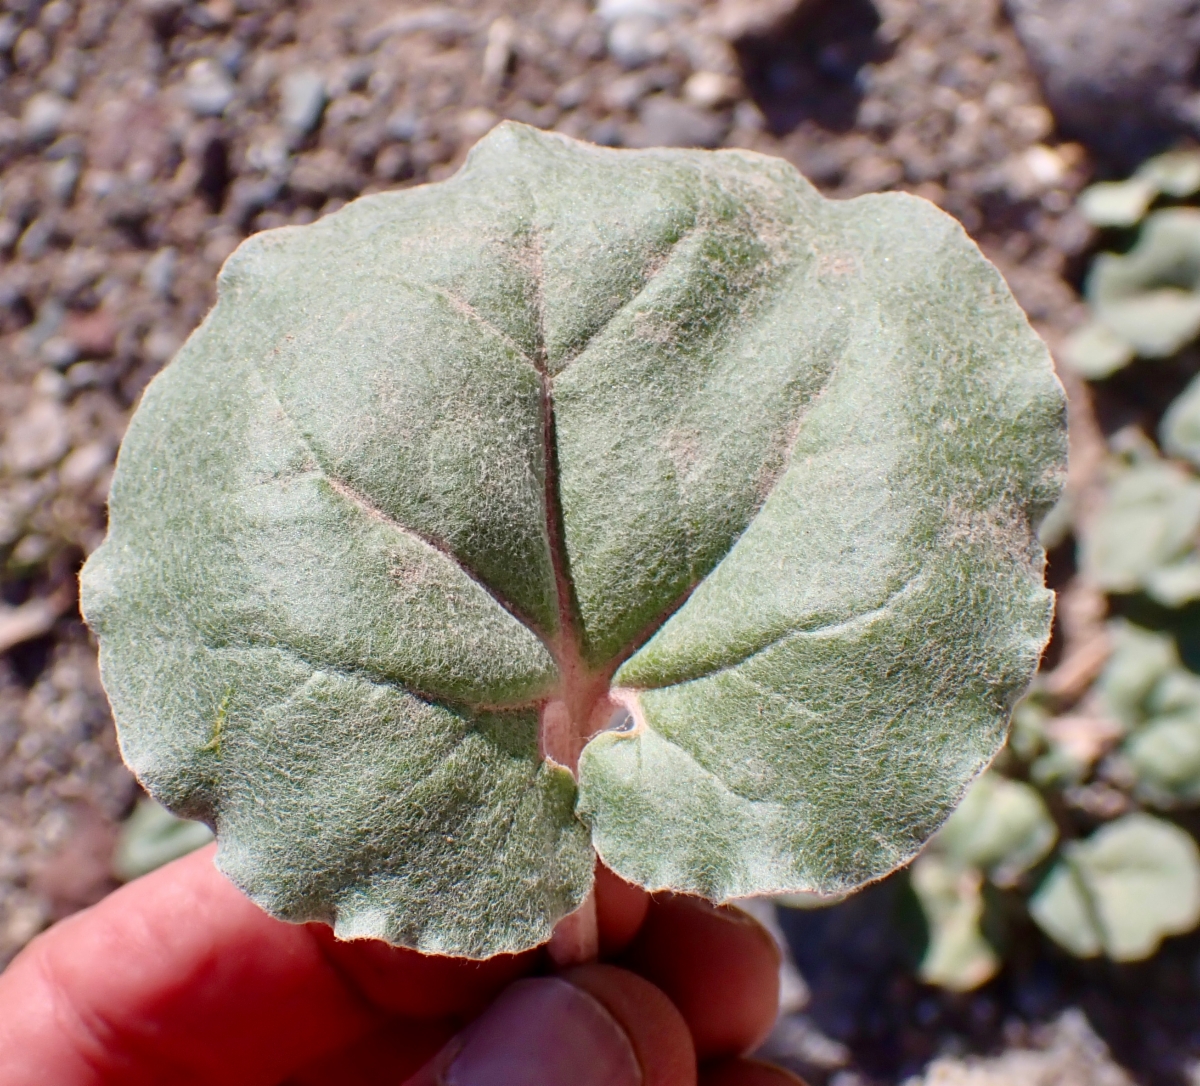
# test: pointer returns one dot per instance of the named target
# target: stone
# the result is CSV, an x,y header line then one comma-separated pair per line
x,y
37,439
635,40
667,122
440,20
158,274
302,100
84,465
1118,74
709,90
738,19
43,116
61,178
207,88
404,125
10,28
1068,1053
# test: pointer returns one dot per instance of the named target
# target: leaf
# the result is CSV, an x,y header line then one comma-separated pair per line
x,y
1175,173
1164,752
1165,756
1148,522
1095,351
958,956
1124,203
1002,826
1140,660
151,837
1156,323
1175,584
1180,427
1001,829
1120,892
659,442
1117,203
1148,297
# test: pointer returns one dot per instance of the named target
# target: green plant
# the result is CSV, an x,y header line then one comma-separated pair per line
x,y
1145,303
1102,875
641,504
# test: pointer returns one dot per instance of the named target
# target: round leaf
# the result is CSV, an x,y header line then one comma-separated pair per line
x,y
662,443
1148,297
1149,522
1095,351
958,956
1123,890
1180,428
1117,203
1001,826
1175,173
1140,660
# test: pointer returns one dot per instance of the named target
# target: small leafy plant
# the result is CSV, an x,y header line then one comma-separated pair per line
x,y
644,505
1076,828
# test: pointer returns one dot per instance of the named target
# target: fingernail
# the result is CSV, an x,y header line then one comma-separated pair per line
x,y
544,1032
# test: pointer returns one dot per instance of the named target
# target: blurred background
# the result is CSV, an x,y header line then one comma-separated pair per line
x,y
1047,936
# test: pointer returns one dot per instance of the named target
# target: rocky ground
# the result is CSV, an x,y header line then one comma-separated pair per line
x,y
140,141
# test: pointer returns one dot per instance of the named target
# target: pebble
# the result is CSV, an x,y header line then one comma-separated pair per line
x,y
35,240
573,93
440,20
59,352
85,464
38,438
31,50
62,177
404,125
9,30
658,11
634,41
708,90
207,88
158,274
160,345
626,91
1069,1052
668,122
43,116
302,101
474,124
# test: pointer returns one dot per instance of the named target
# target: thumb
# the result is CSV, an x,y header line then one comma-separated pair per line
x,y
595,1025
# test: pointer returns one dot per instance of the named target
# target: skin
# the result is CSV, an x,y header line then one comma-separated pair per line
x,y
178,978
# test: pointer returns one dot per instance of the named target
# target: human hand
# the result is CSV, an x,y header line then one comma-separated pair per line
x,y
178,978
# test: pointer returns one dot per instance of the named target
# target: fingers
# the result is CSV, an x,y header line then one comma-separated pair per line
x,y
747,1073
655,1028
595,1025
404,982
719,967
177,973
391,1053
180,977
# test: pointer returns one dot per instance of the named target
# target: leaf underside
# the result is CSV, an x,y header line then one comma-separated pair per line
x,y
767,463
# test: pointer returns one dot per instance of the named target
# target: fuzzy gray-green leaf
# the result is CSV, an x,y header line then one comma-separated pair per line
x,y
446,460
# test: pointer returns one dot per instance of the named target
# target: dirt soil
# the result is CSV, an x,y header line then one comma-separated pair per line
x,y
141,141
